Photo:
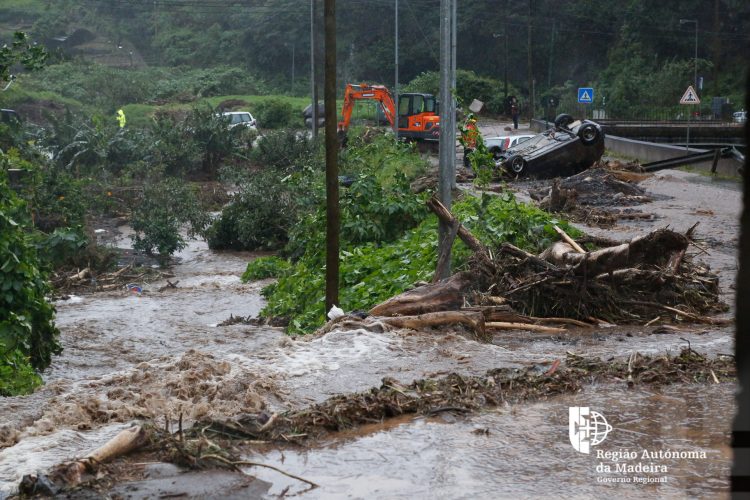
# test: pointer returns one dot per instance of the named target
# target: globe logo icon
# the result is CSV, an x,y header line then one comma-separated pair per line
x,y
598,427
587,428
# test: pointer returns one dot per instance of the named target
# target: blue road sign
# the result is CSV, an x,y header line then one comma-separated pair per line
x,y
586,95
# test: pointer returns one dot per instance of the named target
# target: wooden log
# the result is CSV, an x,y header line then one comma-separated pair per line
x,y
474,320
122,444
502,325
568,239
442,296
444,215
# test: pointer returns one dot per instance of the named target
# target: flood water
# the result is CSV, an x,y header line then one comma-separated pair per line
x,y
158,355
523,451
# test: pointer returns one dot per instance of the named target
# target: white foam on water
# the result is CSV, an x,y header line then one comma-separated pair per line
x,y
40,453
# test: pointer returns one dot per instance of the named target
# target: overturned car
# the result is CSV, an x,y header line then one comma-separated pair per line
x,y
566,149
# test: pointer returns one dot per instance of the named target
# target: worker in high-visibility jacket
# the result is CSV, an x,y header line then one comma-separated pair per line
x,y
469,137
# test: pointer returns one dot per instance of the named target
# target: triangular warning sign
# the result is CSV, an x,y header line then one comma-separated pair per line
x,y
690,97
585,96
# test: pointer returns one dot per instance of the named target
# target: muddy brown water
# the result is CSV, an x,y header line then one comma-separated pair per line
x,y
160,354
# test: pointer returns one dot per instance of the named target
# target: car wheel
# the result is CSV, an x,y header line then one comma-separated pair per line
x,y
496,152
588,134
563,120
517,164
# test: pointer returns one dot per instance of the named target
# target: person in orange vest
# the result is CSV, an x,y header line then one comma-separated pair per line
x,y
469,135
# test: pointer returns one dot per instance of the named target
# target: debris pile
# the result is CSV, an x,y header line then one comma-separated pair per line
x,y
583,196
88,280
648,279
463,394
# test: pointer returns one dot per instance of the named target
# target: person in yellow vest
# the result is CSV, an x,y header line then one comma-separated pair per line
x,y
121,118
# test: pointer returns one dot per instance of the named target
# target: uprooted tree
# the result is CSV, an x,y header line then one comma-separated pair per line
x,y
630,282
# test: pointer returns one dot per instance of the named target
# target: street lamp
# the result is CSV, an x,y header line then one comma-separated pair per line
x,y
505,59
695,59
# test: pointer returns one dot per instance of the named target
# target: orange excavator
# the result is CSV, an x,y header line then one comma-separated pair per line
x,y
417,117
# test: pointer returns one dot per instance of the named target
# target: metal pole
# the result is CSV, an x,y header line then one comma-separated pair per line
x,y
395,77
531,72
695,64
453,103
313,87
293,46
444,180
332,151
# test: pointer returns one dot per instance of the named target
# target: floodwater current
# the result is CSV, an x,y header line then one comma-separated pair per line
x,y
162,354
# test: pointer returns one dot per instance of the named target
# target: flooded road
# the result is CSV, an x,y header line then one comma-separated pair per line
x,y
161,354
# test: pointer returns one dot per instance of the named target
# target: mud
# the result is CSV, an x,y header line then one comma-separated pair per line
x,y
161,354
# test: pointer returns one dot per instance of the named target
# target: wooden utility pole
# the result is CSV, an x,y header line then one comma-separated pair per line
x,y
447,124
332,152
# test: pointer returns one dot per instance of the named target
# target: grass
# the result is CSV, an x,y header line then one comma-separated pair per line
x,y
140,114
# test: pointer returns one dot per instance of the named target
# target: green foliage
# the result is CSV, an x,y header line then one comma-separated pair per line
x,y
282,149
258,217
381,155
469,86
21,51
274,113
265,267
376,270
160,214
62,246
109,88
28,336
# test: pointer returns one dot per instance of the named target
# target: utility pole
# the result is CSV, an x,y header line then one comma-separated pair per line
x,y
453,97
447,122
395,77
332,152
531,72
313,86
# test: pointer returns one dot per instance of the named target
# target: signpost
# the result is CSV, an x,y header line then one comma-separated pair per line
x,y
585,96
689,97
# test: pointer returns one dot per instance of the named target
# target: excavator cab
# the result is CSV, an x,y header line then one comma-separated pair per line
x,y
418,116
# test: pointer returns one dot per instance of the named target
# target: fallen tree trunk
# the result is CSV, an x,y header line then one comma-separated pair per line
x,y
70,474
502,325
473,320
442,296
653,248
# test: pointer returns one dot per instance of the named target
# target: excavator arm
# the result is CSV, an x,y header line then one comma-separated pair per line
x,y
366,92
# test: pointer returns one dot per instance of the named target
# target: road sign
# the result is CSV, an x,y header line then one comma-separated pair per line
x,y
586,95
690,96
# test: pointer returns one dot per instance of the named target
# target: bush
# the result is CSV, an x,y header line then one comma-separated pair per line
x,y
28,336
283,149
265,267
161,213
274,113
259,216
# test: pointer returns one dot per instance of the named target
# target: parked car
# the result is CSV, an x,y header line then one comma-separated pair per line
x,y
240,119
739,117
10,117
566,149
497,145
